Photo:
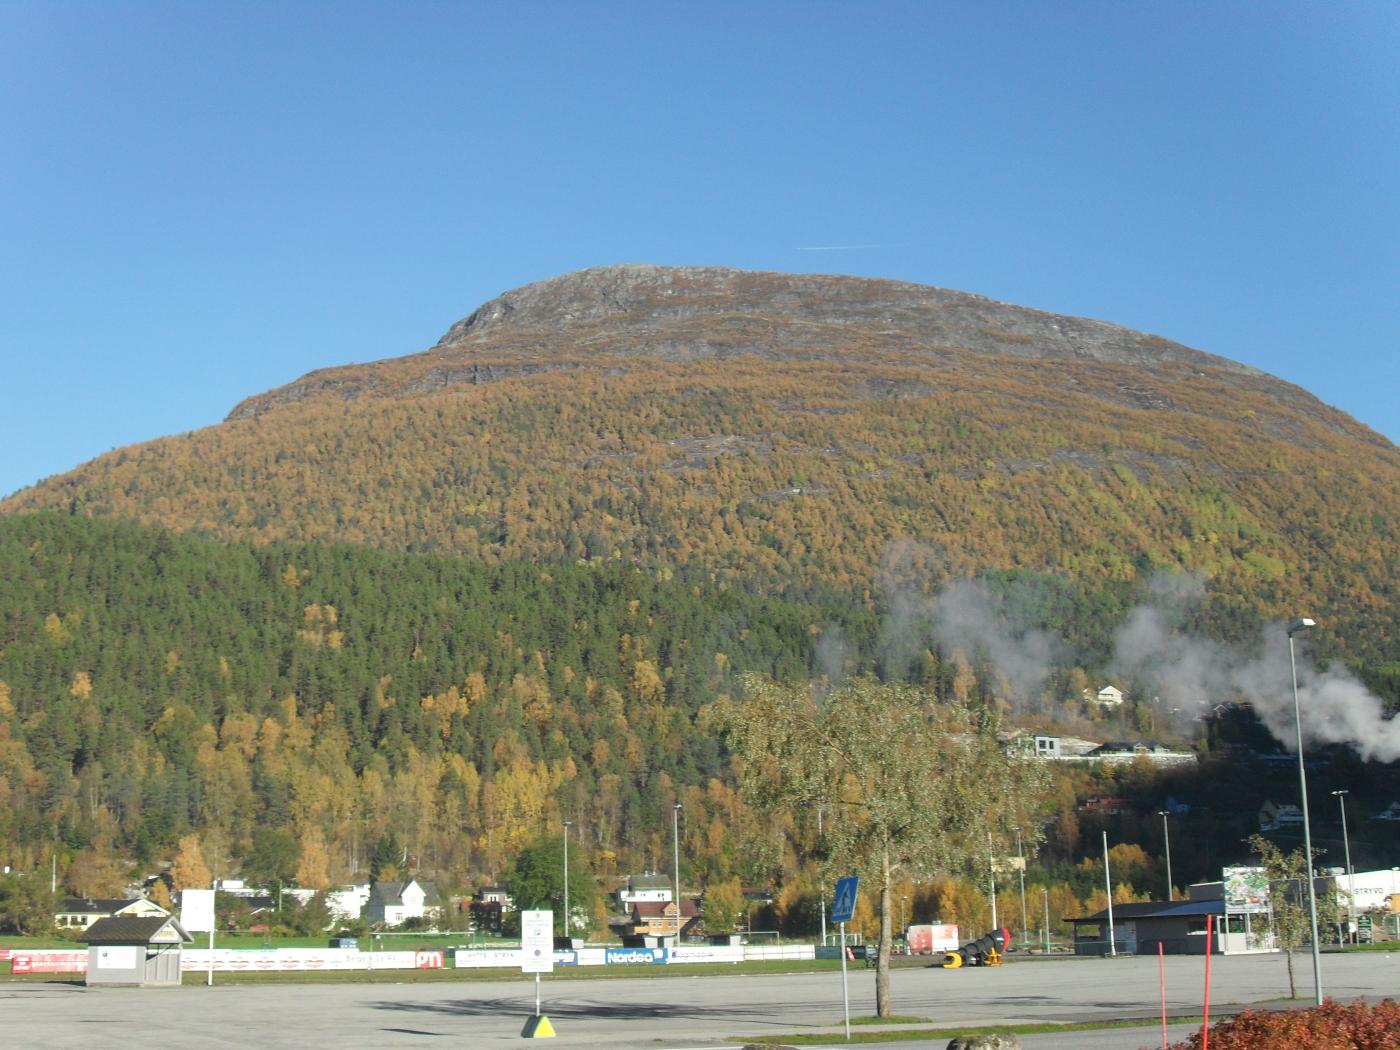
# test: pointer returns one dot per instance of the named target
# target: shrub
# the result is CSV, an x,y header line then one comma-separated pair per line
x,y
1331,1026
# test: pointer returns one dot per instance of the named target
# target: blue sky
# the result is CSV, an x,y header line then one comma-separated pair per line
x,y
200,201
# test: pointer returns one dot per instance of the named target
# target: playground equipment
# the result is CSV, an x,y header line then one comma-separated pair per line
x,y
985,951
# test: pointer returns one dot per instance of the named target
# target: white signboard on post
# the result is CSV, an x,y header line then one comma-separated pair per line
x,y
537,942
197,910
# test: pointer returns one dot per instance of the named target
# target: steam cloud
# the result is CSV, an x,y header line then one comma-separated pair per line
x,y
1335,707
965,617
1150,649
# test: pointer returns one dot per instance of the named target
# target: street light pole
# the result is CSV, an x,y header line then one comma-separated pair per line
x,y
1108,887
567,824
1167,838
1303,624
676,840
822,901
992,873
1022,855
1346,847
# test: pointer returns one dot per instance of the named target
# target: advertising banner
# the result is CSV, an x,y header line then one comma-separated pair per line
x,y
780,951
635,956
232,960
49,960
933,938
483,958
729,953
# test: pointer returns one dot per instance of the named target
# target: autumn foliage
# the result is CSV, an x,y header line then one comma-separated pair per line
x,y
1331,1026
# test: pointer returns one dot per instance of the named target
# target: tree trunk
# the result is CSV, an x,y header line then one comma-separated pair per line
x,y
1292,989
883,1006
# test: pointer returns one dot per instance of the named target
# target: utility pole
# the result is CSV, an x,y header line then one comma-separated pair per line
x,y
992,872
1303,624
1346,847
1166,838
676,839
1021,854
567,824
1108,885
823,878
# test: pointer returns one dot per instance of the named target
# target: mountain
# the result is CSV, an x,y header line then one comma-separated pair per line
x,y
442,602
783,429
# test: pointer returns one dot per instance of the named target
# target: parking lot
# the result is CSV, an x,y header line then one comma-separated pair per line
x,y
663,1011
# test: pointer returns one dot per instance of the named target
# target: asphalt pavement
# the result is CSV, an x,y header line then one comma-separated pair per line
x,y
669,1012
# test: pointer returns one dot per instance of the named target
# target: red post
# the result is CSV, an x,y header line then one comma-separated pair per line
x,y
1162,984
1205,1019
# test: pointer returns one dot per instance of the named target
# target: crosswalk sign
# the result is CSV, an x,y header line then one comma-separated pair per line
x,y
843,908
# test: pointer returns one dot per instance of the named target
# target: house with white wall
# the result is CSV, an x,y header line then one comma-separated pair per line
x,y
647,888
393,903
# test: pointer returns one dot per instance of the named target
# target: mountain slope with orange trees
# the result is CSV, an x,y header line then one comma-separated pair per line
x,y
785,429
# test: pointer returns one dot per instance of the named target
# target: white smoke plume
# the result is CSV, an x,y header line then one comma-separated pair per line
x,y
835,656
1192,674
965,617
1150,650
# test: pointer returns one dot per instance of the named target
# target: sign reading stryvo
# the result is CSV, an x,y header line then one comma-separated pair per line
x,y
537,942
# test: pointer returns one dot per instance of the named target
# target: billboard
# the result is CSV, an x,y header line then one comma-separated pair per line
x,y
933,939
1246,889
197,910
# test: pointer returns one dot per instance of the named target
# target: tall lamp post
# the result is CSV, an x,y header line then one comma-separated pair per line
x,y
1167,838
1346,849
676,840
822,900
1020,853
1303,624
567,824
992,878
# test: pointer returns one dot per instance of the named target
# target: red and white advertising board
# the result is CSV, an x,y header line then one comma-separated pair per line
x,y
933,939
49,960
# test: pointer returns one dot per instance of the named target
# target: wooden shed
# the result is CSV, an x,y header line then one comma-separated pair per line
x,y
141,950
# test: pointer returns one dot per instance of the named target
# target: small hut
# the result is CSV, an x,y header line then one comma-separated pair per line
x,y
141,950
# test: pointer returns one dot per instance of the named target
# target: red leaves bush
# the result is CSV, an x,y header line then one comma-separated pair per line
x,y
1360,1026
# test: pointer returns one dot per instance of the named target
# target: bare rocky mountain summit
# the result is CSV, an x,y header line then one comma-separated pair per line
x,y
677,314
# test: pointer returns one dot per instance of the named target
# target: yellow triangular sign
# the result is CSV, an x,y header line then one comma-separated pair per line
x,y
538,1027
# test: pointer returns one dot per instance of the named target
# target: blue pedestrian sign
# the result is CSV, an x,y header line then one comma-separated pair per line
x,y
843,908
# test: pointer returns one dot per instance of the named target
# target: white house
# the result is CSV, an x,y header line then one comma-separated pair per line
x,y
78,913
648,888
347,903
1275,815
1062,747
1108,696
393,903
